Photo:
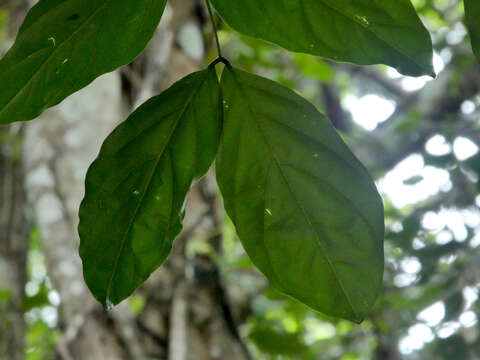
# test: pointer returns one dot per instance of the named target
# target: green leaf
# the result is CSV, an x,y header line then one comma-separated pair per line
x,y
359,31
472,14
306,210
271,341
135,189
63,45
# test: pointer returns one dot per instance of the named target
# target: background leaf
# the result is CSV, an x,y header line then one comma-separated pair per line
x,y
305,209
64,45
363,32
136,188
472,14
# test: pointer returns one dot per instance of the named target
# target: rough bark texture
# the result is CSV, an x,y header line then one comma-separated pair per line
x,y
14,229
186,313
13,245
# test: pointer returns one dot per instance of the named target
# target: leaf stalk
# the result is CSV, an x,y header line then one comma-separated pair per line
x,y
212,20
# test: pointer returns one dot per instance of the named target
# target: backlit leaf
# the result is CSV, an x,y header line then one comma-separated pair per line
x,y
305,209
472,14
359,31
63,45
135,189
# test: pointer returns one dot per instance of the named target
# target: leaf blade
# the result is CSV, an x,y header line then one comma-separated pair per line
x,y
362,32
62,46
290,180
472,13
136,188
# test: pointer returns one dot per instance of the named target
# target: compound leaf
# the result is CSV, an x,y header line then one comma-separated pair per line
x,y
136,187
305,209
63,45
359,31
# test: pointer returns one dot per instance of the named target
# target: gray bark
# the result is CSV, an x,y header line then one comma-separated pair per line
x,y
13,245
14,230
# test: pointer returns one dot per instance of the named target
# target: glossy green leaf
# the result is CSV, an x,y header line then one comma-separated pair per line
x,y
305,209
63,45
472,14
135,189
359,31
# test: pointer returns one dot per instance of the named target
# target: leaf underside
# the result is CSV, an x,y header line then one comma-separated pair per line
x,y
63,45
305,209
135,189
362,32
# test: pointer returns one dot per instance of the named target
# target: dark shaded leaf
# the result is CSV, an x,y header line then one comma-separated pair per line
x,y
453,347
472,14
361,31
38,300
135,189
63,45
414,180
274,342
305,209
453,306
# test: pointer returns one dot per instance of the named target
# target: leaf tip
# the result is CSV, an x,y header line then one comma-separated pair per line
x,y
108,305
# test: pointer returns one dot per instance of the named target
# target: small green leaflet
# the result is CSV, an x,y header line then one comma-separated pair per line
x,y
135,189
359,31
305,209
472,16
63,45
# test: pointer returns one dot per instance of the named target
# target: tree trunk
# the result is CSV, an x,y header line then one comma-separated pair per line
x,y
186,313
14,230
13,245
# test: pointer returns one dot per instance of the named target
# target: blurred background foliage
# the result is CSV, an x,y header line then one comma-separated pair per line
x,y
419,137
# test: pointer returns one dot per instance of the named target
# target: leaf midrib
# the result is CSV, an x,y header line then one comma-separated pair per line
x,y
290,189
149,181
